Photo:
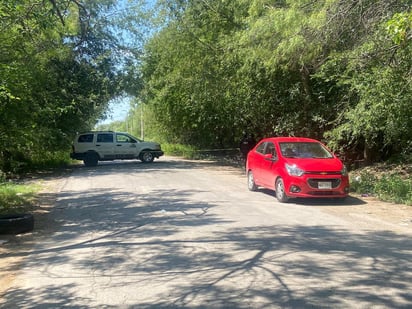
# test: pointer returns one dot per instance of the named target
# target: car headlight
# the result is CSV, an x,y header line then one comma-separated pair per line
x,y
344,171
293,170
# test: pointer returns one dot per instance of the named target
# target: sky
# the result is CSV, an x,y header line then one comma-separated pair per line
x,y
118,110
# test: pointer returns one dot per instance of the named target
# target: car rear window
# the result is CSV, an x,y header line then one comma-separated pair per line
x,y
85,138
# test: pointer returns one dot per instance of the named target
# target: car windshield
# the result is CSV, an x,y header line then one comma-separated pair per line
x,y
304,150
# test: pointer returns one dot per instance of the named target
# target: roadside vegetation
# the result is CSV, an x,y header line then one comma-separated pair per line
x,y
389,182
17,198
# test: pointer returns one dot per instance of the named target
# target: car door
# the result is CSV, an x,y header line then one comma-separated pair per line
x,y
269,165
255,158
125,146
104,145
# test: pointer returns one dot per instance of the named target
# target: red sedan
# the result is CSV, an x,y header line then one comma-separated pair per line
x,y
296,167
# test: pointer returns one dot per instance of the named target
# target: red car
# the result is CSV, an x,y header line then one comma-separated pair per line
x,y
296,167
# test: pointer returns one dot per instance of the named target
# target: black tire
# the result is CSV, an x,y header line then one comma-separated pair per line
x,y
280,191
251,185
147,157
91,159
16,223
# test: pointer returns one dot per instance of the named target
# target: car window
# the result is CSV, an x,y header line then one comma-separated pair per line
x,y
261,148
123,138
270,148
85,138
105,138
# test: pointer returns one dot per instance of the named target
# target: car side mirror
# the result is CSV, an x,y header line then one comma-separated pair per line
x,y
270,157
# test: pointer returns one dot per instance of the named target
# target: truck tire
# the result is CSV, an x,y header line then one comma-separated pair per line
x,y
16,223
91,159
147,157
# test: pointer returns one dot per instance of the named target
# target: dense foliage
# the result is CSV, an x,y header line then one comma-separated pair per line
x,y
329,69
59,68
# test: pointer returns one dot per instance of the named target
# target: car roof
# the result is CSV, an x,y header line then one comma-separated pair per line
x,y
284,139
104,131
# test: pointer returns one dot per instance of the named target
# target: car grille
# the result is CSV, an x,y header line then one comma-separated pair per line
x,y
323,173
324,193
313,182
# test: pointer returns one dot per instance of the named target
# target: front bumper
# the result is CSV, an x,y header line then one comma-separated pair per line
x,y
318,187
157,153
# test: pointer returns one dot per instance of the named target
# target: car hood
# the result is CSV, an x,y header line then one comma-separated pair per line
x,y
153,145
317,165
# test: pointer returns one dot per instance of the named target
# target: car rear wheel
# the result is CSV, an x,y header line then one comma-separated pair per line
x,y
280,191
251,182
91,159
147,157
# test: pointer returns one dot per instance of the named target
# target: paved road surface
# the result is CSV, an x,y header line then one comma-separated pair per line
x,y
183,234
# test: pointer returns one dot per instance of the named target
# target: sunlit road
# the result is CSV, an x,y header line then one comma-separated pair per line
x,y
186,234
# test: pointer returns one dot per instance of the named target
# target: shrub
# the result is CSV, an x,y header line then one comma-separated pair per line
x,y
16,197
185,151
393,188
389,188
363,183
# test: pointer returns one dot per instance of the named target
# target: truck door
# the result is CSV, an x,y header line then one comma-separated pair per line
x,y
104,145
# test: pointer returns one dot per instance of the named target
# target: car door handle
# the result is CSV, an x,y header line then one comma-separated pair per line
x,y
119,145
97,145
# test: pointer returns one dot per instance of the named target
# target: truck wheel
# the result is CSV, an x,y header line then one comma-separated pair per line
x,y
16,223
91,159
147,157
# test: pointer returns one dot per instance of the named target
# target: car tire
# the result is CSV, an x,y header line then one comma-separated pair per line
x,y
16,223
91,159
147,157
251,182
280,191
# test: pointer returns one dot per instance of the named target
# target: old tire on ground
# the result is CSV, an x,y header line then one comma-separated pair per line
x,y
16,223
147,157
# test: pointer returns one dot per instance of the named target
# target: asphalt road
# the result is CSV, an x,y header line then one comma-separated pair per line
x,y
187,234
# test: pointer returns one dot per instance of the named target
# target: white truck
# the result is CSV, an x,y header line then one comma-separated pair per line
x,y
95,146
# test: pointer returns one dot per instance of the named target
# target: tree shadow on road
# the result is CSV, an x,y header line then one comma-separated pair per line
x,y
112,249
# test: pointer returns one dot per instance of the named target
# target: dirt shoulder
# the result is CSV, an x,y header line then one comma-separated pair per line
x,y
369,213
9,244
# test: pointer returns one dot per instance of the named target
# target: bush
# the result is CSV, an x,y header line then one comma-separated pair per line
x,y
180,150
364,183
393,188
16,197
389,188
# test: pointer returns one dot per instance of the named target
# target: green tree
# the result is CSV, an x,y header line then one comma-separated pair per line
x,y
60,65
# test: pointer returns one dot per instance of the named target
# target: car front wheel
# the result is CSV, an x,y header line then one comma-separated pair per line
x,y
147,157
280,191
251,182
